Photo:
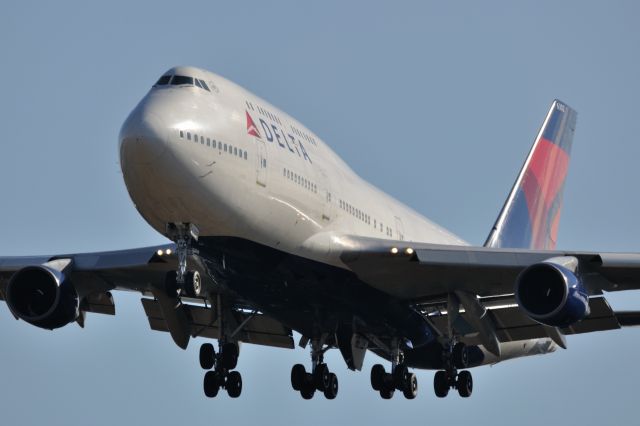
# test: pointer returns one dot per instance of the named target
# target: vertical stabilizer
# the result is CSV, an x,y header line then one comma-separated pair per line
x,y
531,214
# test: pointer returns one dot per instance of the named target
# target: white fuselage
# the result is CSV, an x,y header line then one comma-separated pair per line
x,y
275,183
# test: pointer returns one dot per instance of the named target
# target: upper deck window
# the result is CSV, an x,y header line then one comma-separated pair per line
x,y
164,80
181,79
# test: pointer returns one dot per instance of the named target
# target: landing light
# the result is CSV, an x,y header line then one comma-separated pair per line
x,y
394,250
168,251
160,252
409,251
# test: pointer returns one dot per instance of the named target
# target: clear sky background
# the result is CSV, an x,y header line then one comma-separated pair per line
x,y
437,103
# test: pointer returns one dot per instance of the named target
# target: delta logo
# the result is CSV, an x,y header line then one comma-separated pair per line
x,y
251,127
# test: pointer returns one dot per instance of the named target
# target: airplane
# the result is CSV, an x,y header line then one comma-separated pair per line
x,y
273,233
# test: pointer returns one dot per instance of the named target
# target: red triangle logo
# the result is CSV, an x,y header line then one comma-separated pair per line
x,y
251,126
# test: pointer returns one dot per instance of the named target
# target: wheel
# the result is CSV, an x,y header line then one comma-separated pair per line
x,y
230,352
332,390
207,356
234,384
298,376
400,374
441,384
410,390
321,377
171,284
193,284
308,388
460,355
377,376
211,384
465,384
387,393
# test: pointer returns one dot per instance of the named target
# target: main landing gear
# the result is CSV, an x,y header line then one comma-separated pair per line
x,y
183,281
398,379
222,363
456,356
320,379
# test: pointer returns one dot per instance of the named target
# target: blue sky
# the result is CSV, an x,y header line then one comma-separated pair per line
x,y
437,103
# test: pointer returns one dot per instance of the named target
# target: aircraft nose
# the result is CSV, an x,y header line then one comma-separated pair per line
x,y
143,136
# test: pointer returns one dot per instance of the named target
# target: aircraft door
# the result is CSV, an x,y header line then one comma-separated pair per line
x,y
261,163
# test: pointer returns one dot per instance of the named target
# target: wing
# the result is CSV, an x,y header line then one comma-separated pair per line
x,y
96,275
482,281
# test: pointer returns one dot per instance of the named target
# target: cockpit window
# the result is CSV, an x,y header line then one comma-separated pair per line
x,y
198,83
163,80
204,85
181,79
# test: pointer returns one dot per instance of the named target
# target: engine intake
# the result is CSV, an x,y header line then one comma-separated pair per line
x,y
42,296
550,293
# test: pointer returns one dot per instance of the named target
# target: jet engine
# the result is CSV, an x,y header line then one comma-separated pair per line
x,y
551,293
43,296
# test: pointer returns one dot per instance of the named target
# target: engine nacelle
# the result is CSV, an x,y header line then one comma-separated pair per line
x,y
43,296
550,292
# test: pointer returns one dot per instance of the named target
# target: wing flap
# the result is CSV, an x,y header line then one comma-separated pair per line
x,y
512,324
259,329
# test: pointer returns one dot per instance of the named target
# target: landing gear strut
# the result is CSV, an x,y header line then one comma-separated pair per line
x,y
222,363
454,357
320,378
399,379
183,281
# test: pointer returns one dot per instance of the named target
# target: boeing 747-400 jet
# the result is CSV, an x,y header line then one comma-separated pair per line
x,y
273,233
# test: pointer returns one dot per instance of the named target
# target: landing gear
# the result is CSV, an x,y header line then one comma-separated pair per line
x,y
222,363
450,378
319,379
183,281
399,379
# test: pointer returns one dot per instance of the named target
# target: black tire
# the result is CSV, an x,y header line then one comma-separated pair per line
x,y
410,390
308,389
171,284
387,393
332,390
207,356
465,384
211,384
230,352
400,374
234,384
193,284
321,377
298,376
460,355
441,384
377,377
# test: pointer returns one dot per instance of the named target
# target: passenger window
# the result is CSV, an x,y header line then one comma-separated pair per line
x,y
225,147
195,137
213,142
181,134
162,81
245,155
240,153
189,135
202,140
178,80
208,142
235,151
